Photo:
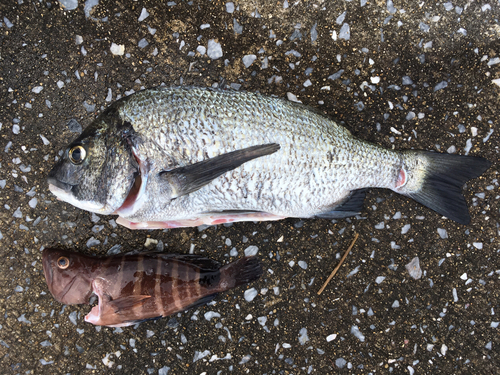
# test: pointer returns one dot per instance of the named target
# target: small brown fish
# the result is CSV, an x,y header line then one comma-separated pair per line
x,y
134,288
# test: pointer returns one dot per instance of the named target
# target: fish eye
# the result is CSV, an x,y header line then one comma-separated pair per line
x,y
63,263
77,154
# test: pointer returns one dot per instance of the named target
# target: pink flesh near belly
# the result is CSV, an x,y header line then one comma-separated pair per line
x,y
207,220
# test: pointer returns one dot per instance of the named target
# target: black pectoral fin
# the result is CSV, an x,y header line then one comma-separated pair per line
x,y
185,180
353,205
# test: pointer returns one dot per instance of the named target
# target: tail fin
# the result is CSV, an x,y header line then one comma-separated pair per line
x,y
443,178
242,271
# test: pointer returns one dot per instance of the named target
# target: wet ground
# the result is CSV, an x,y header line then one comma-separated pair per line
x,y
403,75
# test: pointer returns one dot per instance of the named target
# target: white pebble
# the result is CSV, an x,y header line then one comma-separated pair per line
x,y
248,60
117,49
33,202
455,295
464,276
214,49
37,89
303,338
379,279
201,50
405,229
443,233
262,320
345,32
144,15
375,79
444,349
380,225
292,97
230,7
302,264
211,314
250,294
248,317
286,345
331,337
414,269
251,251
356,332
478,245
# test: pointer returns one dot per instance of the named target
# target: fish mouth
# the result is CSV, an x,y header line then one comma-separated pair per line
x,y
58,186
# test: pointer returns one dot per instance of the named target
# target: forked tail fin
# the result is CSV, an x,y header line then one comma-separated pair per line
x,y
436,180
240,272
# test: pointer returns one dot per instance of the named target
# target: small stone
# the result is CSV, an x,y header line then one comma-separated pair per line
x,y
442,233
74,126
230,7
414,269
144,15
248,60
214,49
331,337
117,49
250,294
340,362
303,338
251,251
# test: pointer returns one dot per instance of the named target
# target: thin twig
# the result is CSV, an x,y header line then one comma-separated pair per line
x,y
338,266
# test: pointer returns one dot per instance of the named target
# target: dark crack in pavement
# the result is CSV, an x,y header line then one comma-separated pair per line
x,y
404,75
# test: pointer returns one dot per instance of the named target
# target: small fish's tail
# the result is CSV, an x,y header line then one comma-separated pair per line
x,y
436,180
240,272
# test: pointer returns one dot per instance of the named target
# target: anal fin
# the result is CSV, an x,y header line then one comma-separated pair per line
x,y
351,206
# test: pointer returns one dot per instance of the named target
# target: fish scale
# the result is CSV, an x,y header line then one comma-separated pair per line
x,y
186,156
297,128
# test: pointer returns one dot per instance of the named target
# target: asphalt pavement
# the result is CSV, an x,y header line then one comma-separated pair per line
x,y
404,75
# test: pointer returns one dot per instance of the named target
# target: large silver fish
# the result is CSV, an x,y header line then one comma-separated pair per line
x,y
185,156
133,288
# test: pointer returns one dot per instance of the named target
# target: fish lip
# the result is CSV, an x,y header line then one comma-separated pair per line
x,y
55,183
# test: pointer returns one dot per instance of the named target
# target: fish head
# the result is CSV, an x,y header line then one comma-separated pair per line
x,y
98,169
68,275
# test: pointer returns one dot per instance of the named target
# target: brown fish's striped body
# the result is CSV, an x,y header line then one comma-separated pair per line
x,y
133,288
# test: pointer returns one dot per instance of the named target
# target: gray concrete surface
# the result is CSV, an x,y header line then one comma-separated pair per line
x,y
405,75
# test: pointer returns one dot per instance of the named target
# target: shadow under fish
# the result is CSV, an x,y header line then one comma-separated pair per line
x,y
135,287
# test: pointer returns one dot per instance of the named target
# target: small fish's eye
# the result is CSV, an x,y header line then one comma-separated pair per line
x,y
63,263
77,154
